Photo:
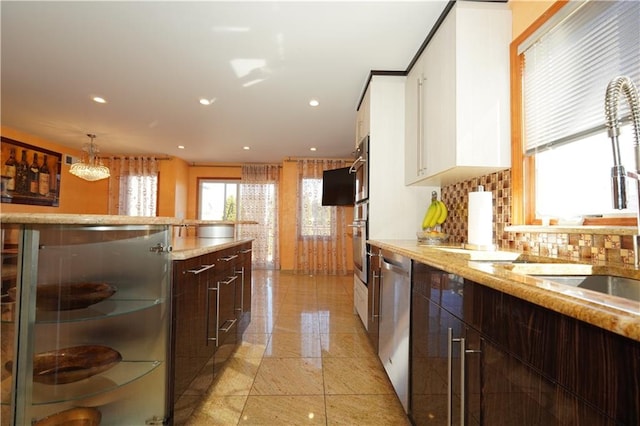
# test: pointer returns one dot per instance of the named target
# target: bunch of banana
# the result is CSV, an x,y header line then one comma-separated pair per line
x,y
436,213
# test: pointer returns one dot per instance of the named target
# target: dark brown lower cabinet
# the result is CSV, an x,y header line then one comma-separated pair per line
x,y
481,357
205,313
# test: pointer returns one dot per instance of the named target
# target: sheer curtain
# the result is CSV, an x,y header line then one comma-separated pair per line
x,y
133,186
258,201
321,244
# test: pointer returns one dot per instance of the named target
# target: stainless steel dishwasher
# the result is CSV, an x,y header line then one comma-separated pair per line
x,y
395,303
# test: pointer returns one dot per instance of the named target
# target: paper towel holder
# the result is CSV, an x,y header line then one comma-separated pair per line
x,y
485,247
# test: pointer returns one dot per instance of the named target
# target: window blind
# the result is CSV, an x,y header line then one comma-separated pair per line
x,y
566,71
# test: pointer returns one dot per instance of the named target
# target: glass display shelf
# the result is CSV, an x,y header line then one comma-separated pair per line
x,y
105,309
120,375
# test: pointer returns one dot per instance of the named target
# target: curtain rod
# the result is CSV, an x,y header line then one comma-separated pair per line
x,y
229,164
291,159
135,157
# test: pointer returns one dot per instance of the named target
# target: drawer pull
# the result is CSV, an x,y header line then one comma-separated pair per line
x,y
229,280
228,258
200,270
227,325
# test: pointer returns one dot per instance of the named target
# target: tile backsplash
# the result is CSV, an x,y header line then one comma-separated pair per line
x,y
579,246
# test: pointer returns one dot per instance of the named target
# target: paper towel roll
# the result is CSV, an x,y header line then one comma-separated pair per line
x,y
480,221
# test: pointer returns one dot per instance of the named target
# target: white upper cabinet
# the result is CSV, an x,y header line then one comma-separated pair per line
x,y
457,102
363,118
395,210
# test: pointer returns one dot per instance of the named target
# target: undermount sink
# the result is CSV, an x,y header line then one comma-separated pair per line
x,y
627,288
482,255
582,281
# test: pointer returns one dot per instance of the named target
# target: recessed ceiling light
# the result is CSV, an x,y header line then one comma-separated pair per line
x,y
313,148
246,148
314,102
99,100
180,146
206,102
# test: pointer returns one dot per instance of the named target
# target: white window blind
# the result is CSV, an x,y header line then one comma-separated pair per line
x,y
567,69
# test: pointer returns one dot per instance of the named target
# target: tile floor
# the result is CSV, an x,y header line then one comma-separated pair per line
x,y
304,359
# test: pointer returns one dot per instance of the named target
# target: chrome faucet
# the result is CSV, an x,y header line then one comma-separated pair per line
x,y
618,86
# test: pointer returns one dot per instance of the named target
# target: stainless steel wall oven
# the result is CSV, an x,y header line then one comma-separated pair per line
x,y
360,168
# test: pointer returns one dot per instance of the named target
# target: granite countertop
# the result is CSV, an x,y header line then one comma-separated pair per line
x,y
196,222
85,219
95,219
188,247
495,270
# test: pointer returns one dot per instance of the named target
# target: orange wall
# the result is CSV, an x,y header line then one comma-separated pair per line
x,y
173,183
288,212
524,12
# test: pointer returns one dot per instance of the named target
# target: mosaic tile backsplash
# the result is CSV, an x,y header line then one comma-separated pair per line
x,y
610,248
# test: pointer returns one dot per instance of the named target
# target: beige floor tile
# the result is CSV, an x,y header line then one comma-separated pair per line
x,y
287,410
341,323
221,410
355,376
304,322
294,345
289,376
260,324
236,378
251,345
365,410
346,345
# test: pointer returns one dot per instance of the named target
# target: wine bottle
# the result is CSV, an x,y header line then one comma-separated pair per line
x,y
22,174
43,178
10,170
34,171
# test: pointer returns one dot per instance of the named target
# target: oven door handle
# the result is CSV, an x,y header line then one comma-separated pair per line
x,y
352,169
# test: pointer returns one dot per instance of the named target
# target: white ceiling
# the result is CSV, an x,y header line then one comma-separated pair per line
x,y
153,60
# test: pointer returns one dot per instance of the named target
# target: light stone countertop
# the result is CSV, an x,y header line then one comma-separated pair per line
x,y
183,247
84,219
188,247
614,314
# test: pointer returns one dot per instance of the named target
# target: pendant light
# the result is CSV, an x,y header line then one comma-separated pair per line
x,y
93,169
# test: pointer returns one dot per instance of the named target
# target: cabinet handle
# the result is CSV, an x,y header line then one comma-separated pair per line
x,y
353,168
245,251
419,164
228,327
241,273
450,342
228,258
229,280
374,276
199,270
214,339
463,378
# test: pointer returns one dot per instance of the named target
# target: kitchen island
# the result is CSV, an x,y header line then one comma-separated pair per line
x,y
114,296
520,349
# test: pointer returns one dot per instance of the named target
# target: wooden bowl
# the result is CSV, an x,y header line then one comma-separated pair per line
x,y
72,364
65,297
80,416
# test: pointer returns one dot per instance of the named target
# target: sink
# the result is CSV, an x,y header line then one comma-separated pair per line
x,y
627,288
482,255
583,281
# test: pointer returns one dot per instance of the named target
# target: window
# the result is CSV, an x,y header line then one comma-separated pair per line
x,y
218,199
562,68
316,219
